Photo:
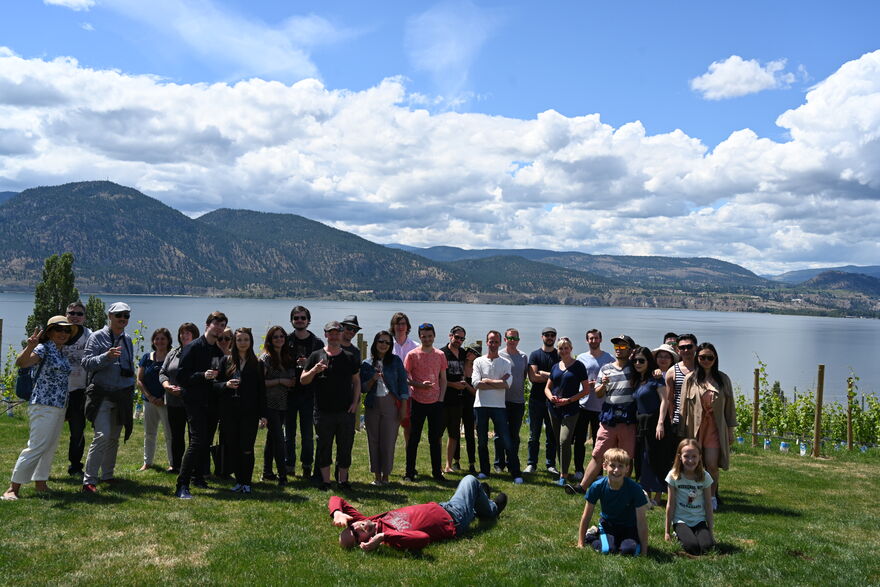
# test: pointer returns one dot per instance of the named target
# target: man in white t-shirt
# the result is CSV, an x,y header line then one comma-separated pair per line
x,y
491,378
590,404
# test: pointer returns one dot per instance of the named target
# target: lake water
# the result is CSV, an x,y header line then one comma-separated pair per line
x,y
792,346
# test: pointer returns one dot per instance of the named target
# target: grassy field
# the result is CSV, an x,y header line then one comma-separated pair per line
x,y
787,520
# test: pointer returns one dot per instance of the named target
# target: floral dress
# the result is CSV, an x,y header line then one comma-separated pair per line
x,y
50,388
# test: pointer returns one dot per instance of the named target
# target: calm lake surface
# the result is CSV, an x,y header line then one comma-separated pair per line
x,y
792,346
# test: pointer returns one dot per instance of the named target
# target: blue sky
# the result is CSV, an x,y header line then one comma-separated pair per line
x,y
707,69
624,60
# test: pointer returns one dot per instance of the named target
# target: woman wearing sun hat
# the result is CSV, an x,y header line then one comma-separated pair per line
x,y
48,403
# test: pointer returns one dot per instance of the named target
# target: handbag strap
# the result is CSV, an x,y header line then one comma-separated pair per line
x,y
40,367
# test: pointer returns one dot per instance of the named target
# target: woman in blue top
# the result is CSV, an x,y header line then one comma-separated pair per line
x,y
153,395
48,403
567,384
649,393
384,387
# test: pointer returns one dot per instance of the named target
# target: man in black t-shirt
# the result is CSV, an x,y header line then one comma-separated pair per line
x,y
300,398
336,375
456,388
540,363
350,328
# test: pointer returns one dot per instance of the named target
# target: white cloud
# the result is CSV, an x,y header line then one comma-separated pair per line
x,y
72,4
249,47
87,26
445,40
373,163
736,77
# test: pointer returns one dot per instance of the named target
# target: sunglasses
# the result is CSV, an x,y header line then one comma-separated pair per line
x,y
550,334
685,347
640,360
351,328
426,325
621,347
388,342
64,329
76,313
706,358
125,315
512,337
458,337
298,318
224,338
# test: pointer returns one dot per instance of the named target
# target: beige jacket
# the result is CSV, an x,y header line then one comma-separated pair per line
x,y
723,406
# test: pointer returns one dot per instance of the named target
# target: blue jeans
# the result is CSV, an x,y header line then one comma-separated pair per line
x,y
499,421
302,405
469,501
539,417
515,414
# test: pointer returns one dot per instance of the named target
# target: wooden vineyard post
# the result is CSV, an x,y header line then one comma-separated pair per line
x,y
362,347
849,398
817,423
755,408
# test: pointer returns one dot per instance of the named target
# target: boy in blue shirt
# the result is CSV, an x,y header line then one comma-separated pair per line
x,y
623,526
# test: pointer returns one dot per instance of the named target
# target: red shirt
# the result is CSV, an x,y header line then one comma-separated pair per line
x,y
409,528
425,366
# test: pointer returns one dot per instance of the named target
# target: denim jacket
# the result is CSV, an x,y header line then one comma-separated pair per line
x,y
395,380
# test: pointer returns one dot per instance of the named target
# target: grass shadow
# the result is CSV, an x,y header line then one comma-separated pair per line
x,y
66,500
737,503
226,495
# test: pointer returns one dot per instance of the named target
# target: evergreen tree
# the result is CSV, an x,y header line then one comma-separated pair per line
x,y
96,313
54,292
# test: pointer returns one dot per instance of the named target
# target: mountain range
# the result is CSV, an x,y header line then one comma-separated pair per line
x,y
647,271
803,275
126,242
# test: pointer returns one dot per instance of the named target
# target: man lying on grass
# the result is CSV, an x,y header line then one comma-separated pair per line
x,y
414,527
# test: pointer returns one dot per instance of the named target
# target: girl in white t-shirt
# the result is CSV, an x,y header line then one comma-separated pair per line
x,y
690,489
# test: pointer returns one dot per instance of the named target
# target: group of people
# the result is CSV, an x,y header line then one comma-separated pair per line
x,y
640,402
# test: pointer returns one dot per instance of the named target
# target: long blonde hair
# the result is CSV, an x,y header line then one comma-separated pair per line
x,y
676,464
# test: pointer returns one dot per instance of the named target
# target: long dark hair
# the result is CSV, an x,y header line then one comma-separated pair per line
x,y
374,352
282,360
702,374
250,359
639,378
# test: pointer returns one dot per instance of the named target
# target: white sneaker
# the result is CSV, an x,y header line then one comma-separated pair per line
x,y
529,469
236,488
578,475
714,503
482,476
552,470
518,480
245,488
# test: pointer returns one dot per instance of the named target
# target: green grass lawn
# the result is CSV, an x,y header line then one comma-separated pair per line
x,y
787,520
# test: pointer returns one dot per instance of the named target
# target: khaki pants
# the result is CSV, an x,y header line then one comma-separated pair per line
x,y
35,461
152,416
101,461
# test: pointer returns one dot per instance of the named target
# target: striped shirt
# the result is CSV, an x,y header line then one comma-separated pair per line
x,y
679,382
